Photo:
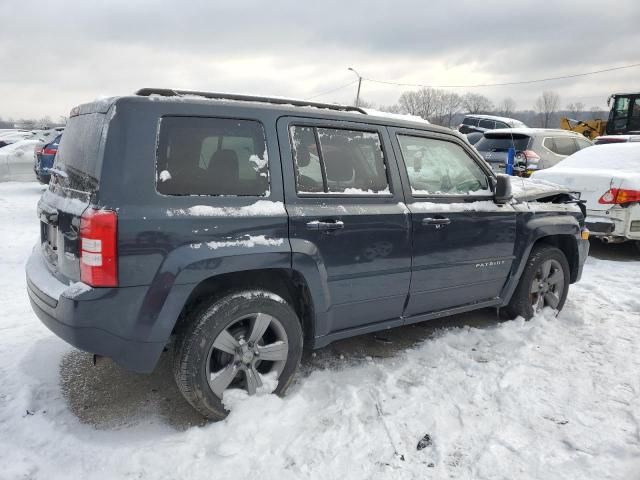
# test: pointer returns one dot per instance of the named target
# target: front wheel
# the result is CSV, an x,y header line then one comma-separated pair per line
x,y
249,340
544,283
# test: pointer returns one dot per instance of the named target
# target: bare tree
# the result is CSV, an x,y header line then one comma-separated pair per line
x,y
423,102
546,106
476,103
507,106
451,103
598,113
409,102
362,103
576,109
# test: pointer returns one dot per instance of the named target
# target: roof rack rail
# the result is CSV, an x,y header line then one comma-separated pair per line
x,y
169,92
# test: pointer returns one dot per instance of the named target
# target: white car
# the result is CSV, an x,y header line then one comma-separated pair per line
x,y
16,161
607,139
608,179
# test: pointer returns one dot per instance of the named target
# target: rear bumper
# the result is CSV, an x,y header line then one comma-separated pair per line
x,y
103,321
617,222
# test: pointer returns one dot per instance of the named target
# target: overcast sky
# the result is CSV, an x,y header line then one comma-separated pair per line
x,y
54,55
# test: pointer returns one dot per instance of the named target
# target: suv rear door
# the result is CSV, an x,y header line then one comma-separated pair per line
x,y
494,147
75,179
463,243
346,213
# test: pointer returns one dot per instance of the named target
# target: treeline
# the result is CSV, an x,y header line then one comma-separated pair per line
x,y
448,108
33,123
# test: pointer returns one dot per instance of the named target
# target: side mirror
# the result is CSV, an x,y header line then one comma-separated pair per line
x,y
503,190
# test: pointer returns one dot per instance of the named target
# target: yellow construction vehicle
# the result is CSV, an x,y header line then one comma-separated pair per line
x,y
624,118
589,128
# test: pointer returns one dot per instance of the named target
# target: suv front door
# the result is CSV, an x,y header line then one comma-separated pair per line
x,y
347,219
463,243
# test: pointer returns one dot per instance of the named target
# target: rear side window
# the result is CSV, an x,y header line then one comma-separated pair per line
x,y
330,160
470,121
582,143
502,143
211,156
561,145
79,152
484,123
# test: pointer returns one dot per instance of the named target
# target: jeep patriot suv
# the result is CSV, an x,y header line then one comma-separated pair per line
x,y
237,229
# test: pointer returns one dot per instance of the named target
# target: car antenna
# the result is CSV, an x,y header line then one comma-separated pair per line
x,y
513,145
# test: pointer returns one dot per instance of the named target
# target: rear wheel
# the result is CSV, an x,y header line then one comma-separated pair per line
x,y
249,340
544,283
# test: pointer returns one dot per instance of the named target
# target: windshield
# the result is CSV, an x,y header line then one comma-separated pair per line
x,y
502,142
78,159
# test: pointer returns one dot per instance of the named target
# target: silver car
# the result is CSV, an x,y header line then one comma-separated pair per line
x,y
535,148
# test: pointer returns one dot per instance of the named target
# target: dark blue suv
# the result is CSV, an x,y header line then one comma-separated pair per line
x,y
238,229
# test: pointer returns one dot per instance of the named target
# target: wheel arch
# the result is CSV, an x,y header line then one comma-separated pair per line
x,y
289,284
560,231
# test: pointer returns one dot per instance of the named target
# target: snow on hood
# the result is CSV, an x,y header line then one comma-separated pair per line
x,y
528,189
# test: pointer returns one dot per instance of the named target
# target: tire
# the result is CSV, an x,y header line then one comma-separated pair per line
x,y
44,179
529,297
217,348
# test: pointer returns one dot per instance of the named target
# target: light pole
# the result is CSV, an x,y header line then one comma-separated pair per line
x,y
359,85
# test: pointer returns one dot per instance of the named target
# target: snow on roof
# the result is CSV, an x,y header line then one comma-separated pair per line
x,y
617,156
493,117
395,116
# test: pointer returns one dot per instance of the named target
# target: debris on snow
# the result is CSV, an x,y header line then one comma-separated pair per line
x,y
425,442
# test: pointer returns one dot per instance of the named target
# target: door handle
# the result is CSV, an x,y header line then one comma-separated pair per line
x,y
436,221
325,225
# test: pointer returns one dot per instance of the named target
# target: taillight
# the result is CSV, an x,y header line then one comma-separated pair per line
x,y
49,151
529,156
618,196
98,248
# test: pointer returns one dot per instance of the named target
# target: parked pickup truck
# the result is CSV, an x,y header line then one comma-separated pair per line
x,y
237,229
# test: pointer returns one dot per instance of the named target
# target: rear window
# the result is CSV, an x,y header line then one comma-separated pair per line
x,y
79,152
211,156
502,143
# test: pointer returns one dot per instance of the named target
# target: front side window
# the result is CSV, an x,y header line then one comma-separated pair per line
x,y
621,113
439,167
331,160
211,156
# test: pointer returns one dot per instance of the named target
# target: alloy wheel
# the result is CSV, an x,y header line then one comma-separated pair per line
x,y
246,349
547,286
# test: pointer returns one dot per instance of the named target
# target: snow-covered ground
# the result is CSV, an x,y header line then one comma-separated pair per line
x,y
545,399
